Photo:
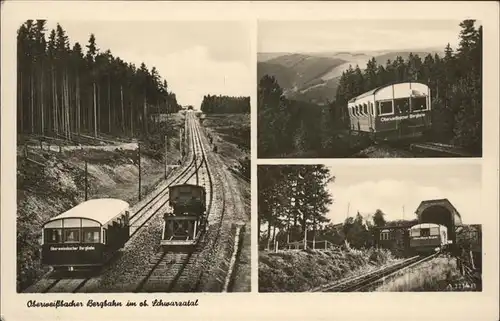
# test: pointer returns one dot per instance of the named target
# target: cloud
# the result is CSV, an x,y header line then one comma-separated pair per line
x,y
390,195
312,36
195,57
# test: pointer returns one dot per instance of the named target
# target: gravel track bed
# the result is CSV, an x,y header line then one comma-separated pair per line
x,y
136,258
206,269
238,214
203,259
124,274
220,248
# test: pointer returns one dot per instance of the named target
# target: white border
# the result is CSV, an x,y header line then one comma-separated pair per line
x,y
250,306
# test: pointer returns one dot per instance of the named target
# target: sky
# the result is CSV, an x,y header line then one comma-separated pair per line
x,y
390,187
355,35
196,58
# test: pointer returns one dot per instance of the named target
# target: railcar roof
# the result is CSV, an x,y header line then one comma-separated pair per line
x,y
192,185
374,91
188,185
101,210
425,225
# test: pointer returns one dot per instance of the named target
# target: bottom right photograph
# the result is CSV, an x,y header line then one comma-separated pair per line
x,y
377,228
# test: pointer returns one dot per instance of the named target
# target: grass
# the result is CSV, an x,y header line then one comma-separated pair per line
x,y
299,271
439,274
231,135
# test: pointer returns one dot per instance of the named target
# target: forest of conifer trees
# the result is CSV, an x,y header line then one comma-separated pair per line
x,y
213,104
293,205
455,79
63,90
292,199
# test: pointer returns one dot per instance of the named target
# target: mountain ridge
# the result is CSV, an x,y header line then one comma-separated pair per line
x,y
314,77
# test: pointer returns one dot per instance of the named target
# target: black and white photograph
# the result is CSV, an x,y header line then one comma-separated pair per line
x,y
369,88
384,228
133,156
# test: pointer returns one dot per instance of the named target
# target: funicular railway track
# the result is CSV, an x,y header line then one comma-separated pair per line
x,y
369,280
167,268
143,213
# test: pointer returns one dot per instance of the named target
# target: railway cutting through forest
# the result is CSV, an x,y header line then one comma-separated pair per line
x,y
175,269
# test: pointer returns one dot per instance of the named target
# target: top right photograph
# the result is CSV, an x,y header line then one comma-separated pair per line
x,y
369,89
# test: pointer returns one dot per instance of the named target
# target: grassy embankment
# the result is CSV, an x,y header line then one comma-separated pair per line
x,y
299,271
439,274
48,190
231,135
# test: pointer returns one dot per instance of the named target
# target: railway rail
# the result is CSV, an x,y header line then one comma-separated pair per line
x,y
143,214
368,280
167,268
438,149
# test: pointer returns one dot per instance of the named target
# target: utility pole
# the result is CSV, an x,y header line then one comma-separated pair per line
x,y
139,152
196,169
305,238
347,214
166,146
181,144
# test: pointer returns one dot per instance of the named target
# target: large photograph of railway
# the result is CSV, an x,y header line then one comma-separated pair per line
x,y
133,157
389,228
369,89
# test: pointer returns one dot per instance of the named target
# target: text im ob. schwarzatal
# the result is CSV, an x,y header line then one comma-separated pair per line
x,y
109,304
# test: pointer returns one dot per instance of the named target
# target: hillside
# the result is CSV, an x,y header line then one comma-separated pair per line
x,y
301,271
51,182
314,77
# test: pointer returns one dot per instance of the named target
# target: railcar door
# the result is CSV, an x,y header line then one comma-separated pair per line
x,y
402,112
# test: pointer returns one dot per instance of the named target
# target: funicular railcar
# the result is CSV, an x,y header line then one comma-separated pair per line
x,y
85,236
186,221
391,112
428,237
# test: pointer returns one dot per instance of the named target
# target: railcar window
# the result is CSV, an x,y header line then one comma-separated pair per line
x,y
415,232
71,235
418,103
402,105
434,231
91,235
385,107
425,232
53,235
365,109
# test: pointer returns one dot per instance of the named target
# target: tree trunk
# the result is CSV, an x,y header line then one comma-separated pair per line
x,y
123,111
56,103
95,110
258,220
145,120
109,104
268,234
31,104
68,112
20,105
78,109
131,118
274,233
41,103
